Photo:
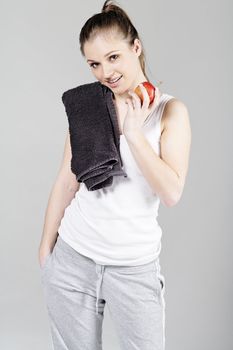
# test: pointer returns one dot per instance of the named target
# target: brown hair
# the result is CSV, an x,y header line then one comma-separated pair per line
x,y
113,19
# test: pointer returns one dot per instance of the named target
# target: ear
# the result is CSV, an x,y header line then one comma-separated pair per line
x,y
137,47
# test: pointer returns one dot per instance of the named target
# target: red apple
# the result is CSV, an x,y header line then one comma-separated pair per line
x,y
150,90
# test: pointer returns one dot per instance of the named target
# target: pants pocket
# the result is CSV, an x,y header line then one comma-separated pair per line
x,y
47,259
162,283
159,276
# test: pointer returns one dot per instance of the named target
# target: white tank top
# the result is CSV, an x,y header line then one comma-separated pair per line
x,y
117,225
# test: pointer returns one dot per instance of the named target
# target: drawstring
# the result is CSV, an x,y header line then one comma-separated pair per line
x,y
100,271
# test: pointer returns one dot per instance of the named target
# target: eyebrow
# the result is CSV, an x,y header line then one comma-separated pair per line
x,y
104,55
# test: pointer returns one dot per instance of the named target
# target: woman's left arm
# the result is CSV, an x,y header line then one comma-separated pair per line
x,y
166,175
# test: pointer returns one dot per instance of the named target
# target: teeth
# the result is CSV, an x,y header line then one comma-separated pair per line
x,y
114,81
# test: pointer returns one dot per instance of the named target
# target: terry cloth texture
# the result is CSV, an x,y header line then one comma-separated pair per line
x,y
94,135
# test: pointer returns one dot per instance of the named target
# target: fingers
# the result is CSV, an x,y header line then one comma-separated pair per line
x,y
135,100
146,98
129,102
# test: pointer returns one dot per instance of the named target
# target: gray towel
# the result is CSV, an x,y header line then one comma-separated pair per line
x,y
94,135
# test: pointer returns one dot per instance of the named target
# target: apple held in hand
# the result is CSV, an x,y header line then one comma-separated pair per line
x,y
150,90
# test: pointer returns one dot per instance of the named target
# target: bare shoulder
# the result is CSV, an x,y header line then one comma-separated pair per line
x,y
175,111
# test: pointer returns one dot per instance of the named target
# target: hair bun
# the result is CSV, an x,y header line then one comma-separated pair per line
x,y
109,6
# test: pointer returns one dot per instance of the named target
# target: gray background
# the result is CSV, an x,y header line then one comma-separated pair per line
x,y
189,47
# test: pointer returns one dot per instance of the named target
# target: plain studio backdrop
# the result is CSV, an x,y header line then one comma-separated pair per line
x,y
188,46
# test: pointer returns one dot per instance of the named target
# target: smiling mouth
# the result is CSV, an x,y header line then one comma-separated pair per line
x,y
114,81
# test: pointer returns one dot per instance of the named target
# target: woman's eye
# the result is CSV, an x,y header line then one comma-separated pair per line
x,y
92,65
113,56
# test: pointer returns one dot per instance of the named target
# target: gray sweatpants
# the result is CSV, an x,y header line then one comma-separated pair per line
x,y
76,290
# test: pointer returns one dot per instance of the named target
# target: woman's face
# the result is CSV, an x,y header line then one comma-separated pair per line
x,y
110,58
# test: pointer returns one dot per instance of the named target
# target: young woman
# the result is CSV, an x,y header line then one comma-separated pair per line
x,y
102,247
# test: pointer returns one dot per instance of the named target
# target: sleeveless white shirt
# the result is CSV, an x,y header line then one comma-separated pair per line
x,y
117,225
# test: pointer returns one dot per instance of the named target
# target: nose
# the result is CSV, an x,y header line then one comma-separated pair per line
x,y
107,73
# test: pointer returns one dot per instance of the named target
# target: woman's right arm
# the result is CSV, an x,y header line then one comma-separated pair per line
x,y
63,191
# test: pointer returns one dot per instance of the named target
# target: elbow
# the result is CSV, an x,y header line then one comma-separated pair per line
x,y
170,203
172,199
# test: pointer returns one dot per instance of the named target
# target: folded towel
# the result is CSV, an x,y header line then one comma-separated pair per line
x,y
94,135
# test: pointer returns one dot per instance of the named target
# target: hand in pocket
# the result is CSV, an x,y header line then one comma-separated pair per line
x,y
43,258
